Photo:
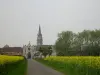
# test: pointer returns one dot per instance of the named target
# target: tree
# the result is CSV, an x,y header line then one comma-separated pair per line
x,y
49,50
45,51
93,47
86,42
64,42
82,38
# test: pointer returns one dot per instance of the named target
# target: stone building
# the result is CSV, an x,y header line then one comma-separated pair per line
x,y
29,51
13,51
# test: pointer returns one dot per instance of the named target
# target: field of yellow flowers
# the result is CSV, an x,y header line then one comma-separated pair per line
x,y
8,63
75,65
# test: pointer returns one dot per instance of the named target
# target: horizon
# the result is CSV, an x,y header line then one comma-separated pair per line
x,y
43,44
20,19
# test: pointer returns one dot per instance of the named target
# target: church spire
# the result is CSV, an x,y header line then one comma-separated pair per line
x,y
29,44
39,29
39,37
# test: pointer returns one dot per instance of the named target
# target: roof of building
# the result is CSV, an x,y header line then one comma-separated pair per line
x,y
12,49
6,46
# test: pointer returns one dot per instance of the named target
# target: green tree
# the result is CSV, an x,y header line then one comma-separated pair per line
x,y
87,41
50,51
64,42
45,50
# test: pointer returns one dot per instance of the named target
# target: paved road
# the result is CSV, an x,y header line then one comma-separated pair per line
x,y
36,68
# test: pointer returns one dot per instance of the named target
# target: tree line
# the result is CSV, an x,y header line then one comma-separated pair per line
x,y
86,42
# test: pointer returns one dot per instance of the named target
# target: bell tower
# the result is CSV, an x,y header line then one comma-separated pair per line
x,y
39,37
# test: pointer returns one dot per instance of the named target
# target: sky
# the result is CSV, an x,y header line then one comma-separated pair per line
x,y
20,19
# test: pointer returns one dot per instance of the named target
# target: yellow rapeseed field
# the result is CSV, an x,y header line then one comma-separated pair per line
x,y
89,60
9,63
75,65
7,59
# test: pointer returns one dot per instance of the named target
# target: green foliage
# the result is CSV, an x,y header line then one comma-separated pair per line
x,y
64,42
45,51
85,41
20,69
92,50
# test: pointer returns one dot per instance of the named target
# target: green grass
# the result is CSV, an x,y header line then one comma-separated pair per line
x,y
19,69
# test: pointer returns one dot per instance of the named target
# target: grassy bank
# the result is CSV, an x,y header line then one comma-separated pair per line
x,y
74,65
20,69
12,65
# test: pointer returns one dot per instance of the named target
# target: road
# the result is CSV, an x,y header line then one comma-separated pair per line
x,y
36,68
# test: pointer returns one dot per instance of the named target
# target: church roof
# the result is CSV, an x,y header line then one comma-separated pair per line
x,y
46,45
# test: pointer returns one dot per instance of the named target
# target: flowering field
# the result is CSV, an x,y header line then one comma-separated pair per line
x,y
9,59
9,64
75,65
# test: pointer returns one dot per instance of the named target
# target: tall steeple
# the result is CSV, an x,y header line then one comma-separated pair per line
x,y
39,29
39,37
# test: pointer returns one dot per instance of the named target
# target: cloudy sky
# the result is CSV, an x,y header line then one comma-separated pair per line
x,y
19,19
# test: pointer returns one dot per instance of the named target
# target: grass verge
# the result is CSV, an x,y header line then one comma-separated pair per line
x,y
19,69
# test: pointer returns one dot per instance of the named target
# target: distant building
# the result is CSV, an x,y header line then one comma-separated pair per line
x,y
6,46
11,51
30,50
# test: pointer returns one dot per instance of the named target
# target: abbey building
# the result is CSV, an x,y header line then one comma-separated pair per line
x,y
30,51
